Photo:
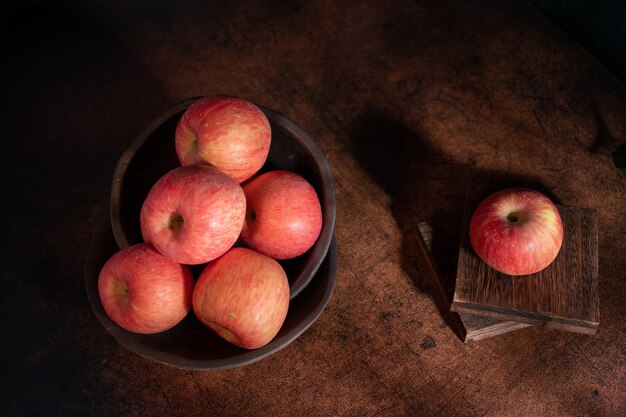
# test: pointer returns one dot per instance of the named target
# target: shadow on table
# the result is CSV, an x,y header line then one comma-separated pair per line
x,y
79,94
423,184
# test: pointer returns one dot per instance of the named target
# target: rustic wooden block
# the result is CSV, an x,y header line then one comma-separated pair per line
x,y
441,237
563,296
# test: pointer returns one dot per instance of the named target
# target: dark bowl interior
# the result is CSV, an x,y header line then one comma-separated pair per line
x,y
190,344
152,154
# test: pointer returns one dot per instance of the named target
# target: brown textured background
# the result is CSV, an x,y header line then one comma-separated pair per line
x,y
412,102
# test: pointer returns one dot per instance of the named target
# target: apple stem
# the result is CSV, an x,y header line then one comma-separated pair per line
x,y
121,289
176,222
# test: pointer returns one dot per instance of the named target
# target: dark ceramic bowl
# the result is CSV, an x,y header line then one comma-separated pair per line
x,y
153,154
192,345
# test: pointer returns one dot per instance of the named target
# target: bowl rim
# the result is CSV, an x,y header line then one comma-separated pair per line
x,y
329,208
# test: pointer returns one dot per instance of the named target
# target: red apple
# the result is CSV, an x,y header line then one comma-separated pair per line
x,y
243,296
517,231
283,217
144,292
193,214
229,133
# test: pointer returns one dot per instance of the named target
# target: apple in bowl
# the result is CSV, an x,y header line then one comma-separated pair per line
x,y
227,132
243,296
152,154
144,292
193,214
283,214
516,231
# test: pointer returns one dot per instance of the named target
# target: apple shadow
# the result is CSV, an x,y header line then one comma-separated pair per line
x,y
424,184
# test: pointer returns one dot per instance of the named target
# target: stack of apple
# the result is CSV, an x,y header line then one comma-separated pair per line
x,y
196,213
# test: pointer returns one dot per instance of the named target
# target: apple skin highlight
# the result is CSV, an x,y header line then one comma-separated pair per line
x,y
516,231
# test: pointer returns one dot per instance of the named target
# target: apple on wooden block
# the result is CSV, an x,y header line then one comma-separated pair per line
x,y
283,216
517,231
243,296
193,214
144,292
229,133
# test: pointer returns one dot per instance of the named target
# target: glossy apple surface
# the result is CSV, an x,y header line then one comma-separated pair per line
x,y
193,214
283,216
144,292
229,133
243,296
516,231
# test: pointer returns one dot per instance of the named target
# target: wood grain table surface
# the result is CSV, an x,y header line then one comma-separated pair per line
x,y
412,103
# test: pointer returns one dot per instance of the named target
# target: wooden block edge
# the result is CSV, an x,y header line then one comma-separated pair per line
x,y
537,319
